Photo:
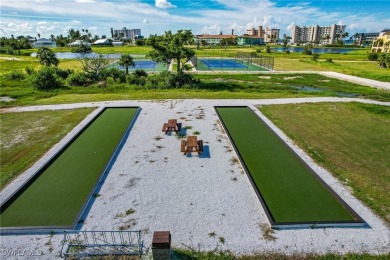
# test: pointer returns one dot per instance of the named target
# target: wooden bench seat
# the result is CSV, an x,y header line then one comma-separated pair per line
x,y
165,127
183,146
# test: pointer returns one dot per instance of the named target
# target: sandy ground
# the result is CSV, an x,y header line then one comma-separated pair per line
x,y
193,196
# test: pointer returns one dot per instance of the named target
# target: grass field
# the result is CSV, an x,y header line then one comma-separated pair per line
x,y
290,191
27,136
250,86
350,140
56,197
352,63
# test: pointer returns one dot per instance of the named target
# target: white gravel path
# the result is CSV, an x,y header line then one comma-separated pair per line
x,y
192,196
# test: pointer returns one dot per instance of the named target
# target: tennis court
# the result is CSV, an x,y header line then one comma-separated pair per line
x,y
147,65
222,63
204,64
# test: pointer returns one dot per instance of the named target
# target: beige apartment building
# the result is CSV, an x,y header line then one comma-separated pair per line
x,y
321,34
269,34
382,42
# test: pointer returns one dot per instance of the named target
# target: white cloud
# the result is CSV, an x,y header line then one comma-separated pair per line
x,y
16,28
85,1
211,29
290,26
238,29
164,4
237,15
40,23
353,26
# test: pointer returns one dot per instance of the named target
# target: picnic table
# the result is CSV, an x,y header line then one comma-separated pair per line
x,y
172,125
192,144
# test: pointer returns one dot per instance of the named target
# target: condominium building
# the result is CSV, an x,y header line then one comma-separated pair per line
x,y
382,43
367,38
269,34
317,34
213,39
260,32
130,34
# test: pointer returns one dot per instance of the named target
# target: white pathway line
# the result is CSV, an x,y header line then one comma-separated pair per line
x,y
277,101
358,80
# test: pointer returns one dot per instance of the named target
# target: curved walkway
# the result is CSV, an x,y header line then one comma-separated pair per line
x,y
354,79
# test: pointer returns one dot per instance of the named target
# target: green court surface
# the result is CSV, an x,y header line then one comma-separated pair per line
x,y
57,196
289,189
241,66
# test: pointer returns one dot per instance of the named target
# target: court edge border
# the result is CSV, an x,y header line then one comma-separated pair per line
x,y
293,225
45,229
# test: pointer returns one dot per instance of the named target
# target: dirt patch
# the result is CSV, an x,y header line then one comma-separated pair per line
x,y
264,77
7,99
293,77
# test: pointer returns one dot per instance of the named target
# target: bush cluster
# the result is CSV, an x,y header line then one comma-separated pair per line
x,y
372,56
15,75
49,78
46,78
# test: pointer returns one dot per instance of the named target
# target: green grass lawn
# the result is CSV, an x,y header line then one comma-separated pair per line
x,y
249,86
58,194
290,191
26,136
350,140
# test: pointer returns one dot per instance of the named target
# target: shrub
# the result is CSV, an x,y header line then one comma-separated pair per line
x,y
132,79
384,60
15,75
307,50
268,49
140,73
329,60
77,79
117,74
29,70
110,80
83,48
372,56
315,56
46,79
63,73
288,51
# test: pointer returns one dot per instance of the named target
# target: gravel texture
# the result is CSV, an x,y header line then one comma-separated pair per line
x,y
201,200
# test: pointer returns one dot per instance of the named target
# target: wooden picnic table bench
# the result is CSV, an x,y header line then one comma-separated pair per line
x,y
192,144
172,125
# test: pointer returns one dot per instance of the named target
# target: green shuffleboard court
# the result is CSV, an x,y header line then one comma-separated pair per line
x,y
287,187
58,195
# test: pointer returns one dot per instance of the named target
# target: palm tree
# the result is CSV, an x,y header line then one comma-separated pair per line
x,y
126,60
47,57
326,38
356,36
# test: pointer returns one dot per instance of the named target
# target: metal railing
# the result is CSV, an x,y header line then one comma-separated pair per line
x,y
101,243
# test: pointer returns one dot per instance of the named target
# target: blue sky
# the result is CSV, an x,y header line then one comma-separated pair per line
x,y
46,17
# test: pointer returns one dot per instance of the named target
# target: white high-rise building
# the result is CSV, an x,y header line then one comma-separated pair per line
x,y
125,33
320,34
